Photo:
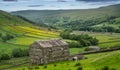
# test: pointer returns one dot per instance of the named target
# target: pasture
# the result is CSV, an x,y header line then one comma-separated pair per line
x,y
105,39
13,61
24,36
92,62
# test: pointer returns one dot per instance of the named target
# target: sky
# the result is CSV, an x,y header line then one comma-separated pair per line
x,y
16,5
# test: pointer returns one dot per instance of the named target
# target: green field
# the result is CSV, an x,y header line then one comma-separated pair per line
x,y
105,39
25,37
24,33
76,50
13,61
93,62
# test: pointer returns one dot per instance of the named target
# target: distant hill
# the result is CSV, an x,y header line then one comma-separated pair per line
x,y
8,22
73,19
8,19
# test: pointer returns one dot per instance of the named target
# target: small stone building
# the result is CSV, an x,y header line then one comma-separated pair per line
x,y
45,51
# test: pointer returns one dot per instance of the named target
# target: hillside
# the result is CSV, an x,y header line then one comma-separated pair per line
x,y
18,33
93,62
82,19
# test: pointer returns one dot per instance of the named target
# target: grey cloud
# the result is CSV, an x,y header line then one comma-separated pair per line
x,y
35,5
61,1
97,0
10,0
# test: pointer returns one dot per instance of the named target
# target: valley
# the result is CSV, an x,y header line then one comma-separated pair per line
x,y
103,19
19,29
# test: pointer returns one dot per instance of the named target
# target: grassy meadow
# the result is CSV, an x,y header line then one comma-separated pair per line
x,y
105,39
23,33
25,37
92,62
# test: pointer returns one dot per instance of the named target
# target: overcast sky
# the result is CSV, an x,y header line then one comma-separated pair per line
x,y
15,5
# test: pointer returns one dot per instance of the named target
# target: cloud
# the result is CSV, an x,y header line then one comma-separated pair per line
x,y
9,0
61,1
35,5
97,0
72,5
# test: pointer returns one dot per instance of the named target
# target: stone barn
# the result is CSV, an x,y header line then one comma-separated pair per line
x,y
45,51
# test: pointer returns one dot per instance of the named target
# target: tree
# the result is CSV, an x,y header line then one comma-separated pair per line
x,y
64,35
83,39
9,36
18,52
5,57
94,41
4,38
109,28
117,30
74,44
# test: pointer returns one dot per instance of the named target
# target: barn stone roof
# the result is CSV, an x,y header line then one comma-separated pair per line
x,y
51,43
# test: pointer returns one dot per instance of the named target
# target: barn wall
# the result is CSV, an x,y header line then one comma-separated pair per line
x,y
43,55
35,53
58,53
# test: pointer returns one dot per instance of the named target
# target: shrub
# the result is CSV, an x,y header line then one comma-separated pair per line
x,y
85,42
77,64
83,39
19,52
37,67
94,41
55,65
7,37
5,57
23,69
74,44
79,68
4,38
45,66
87,49
105,68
